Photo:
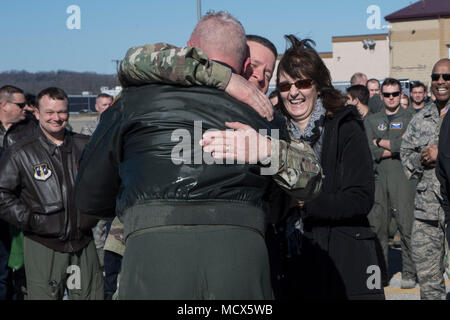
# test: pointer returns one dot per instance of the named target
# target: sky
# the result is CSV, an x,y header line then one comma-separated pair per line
x,y
48,35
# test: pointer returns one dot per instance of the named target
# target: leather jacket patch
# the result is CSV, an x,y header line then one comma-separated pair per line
x,y
42,172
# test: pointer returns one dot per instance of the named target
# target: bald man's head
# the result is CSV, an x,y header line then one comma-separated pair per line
x,y
222,38
440,81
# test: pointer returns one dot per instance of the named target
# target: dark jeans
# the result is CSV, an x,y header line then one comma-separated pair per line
x,y
112,265
5,247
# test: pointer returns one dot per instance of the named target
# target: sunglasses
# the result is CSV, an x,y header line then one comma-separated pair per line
x,y
436,76
388,94
20,105
299,84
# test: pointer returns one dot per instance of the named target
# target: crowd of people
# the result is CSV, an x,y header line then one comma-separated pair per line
x,y
168,196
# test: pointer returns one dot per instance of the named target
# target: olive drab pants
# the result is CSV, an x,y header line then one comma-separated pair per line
x,y
392,188
202,262
49,273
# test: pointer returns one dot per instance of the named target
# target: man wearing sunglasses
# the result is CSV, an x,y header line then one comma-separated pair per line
x,y
418,154
441,88
12,104
385,130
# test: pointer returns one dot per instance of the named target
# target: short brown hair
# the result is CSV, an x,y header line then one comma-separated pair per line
x,y
7,91
54,93
360,92
391,82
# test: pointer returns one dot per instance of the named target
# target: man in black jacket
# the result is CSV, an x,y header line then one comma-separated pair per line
x,y
441,89
36,179
13,125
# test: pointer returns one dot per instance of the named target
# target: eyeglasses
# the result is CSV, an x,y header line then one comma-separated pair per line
x,y
20,105
437,76
388,94
299,84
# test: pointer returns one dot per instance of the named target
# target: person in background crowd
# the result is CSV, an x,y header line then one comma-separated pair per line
x,y
358,95
30,107
36,180
12,104
102,102
418,93
418,153
441,89
404,101
392,188
373,85
375,103
358,78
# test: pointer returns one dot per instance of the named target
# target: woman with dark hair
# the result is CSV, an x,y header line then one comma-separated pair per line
x,y
332,251
338,257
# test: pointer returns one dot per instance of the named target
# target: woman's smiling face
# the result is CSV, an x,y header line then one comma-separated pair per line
x,y
299,103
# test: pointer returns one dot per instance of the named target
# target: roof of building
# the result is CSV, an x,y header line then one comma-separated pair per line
x,y
360,37
424,9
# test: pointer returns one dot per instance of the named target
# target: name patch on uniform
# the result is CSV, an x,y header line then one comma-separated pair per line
x,y
42,172
382,126
397,125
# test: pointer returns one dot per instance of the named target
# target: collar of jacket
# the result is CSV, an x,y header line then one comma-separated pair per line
x,y
429,110
399,113
50,147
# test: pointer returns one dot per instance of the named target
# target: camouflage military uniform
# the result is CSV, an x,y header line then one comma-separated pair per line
x,y
115,241
164,63
428,237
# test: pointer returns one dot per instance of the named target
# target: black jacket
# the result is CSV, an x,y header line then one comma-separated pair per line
x,y
443,168
134,162
340,247
26,128
36,181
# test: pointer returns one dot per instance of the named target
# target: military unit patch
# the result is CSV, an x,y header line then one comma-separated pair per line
x,y
397,125
42,172
382,126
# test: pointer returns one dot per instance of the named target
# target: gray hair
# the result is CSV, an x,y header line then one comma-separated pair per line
x,y
7,91
357,78
221,32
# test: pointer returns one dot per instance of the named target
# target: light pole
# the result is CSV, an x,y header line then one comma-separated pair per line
x,y
199,9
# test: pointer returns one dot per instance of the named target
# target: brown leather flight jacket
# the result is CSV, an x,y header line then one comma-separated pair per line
x,y
36,181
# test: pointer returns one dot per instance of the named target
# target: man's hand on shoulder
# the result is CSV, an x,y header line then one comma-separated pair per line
x,y
244,91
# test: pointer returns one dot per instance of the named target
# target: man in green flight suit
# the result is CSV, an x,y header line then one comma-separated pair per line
x,y
385,131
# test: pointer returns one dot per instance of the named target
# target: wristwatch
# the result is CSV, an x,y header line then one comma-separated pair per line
x,y
377,142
